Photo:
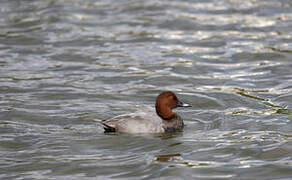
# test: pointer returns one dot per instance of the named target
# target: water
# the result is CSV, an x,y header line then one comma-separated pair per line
x,y
66,63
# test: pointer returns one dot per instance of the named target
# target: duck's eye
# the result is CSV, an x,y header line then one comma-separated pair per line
x,y
174,98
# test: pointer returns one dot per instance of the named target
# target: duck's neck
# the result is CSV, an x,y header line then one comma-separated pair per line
x,y
164,112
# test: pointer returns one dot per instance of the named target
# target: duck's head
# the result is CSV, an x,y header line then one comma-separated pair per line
x,y
165,102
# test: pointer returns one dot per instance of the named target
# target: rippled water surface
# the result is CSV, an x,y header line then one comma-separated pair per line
x,y
66,63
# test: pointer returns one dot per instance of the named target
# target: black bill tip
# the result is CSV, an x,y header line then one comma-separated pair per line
x,y
181,104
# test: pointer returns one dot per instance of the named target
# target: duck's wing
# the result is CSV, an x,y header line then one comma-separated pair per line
x,y
139,122
111,125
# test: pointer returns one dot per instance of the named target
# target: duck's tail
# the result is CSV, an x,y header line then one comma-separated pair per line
x,y
106,127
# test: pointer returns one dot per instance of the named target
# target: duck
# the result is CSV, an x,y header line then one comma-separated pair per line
x,y
159,120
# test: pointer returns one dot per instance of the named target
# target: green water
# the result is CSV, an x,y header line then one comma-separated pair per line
x,y
66,63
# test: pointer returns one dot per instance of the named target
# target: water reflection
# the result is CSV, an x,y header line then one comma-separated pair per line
x,y
166,157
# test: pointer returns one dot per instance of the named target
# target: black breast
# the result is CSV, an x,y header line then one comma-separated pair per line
x,y
174,124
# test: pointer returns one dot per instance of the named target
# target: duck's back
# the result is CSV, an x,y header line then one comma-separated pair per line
x,y
145,121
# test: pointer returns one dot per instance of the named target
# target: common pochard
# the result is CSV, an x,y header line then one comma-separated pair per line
x,y
149,121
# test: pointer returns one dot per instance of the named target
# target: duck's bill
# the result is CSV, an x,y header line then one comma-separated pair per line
x,y
181,104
